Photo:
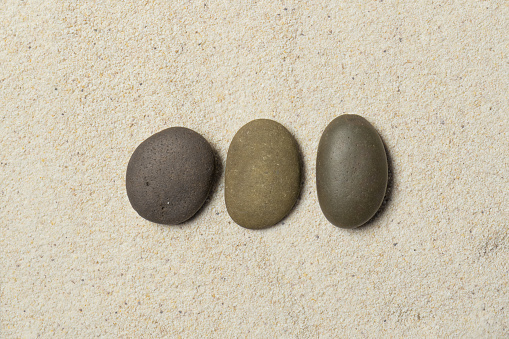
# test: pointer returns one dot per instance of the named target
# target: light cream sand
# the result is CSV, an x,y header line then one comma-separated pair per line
x,y
83,83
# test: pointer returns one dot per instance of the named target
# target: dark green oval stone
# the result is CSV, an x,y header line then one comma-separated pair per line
x,y
351,171
262,179
169,175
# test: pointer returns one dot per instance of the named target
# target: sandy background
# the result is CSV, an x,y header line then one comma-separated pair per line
x,y
83,83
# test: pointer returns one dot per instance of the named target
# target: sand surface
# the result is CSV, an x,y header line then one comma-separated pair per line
x,y
82,83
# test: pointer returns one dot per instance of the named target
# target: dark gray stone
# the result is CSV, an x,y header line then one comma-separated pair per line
x,y
351,171
262,179
169,175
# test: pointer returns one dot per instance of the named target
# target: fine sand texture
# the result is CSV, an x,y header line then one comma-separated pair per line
x,y
83,83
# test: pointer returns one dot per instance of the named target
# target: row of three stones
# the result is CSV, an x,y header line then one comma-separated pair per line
x,y
170,174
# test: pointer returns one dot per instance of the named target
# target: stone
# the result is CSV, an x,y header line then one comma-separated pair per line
x,y
262,174
169,175
351,171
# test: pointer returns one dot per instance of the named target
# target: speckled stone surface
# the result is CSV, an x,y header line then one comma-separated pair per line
x,y
351,171
262,175
82,83
169,175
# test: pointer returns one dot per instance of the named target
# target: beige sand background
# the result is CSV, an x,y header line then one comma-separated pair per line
x,y
82,83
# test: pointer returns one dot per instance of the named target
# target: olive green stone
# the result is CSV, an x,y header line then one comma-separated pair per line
x,y
351,171
262,174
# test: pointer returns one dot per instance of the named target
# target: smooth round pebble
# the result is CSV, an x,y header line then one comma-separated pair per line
x,y
262,179
351,171
169,175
